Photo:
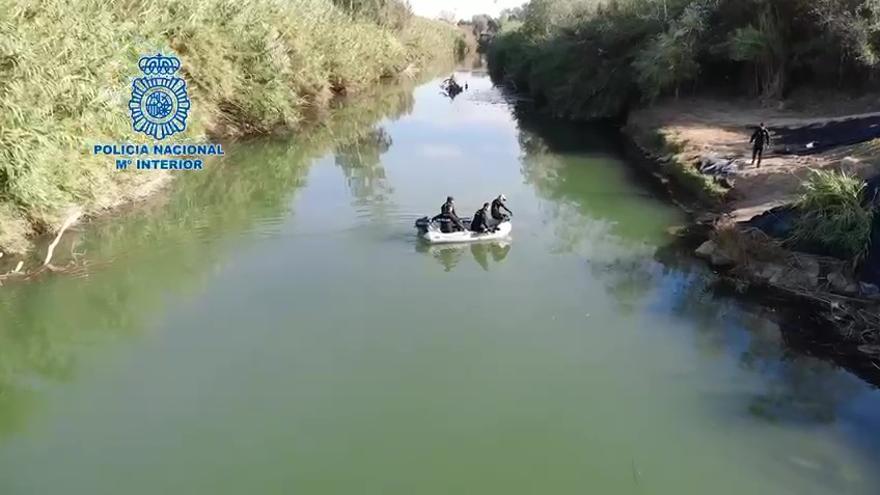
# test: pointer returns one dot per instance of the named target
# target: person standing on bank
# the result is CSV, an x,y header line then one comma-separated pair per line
x,y
760,141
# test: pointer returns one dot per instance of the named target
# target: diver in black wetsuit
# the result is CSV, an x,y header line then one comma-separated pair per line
x,y
497,206
448,211
760,140
480,222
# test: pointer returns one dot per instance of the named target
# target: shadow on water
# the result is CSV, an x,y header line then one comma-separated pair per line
x,y
172,249
578,169
129,265
568,166
450,255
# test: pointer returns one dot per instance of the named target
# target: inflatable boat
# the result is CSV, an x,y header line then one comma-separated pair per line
x,y
443,232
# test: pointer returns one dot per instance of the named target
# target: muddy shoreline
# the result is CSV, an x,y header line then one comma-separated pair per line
x,y
815,322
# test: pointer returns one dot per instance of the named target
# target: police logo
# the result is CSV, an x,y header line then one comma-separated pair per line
x,y
159,103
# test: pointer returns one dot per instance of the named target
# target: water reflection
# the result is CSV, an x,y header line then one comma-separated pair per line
x,y
578,170
451,94
171,246
592,213
628,278
450,255
360,161
796,388
359,154
497,250
306,363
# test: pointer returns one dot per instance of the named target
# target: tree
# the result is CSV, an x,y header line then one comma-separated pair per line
x,y
480,23
507,15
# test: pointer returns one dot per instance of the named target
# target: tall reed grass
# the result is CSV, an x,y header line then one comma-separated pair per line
x,y
251,68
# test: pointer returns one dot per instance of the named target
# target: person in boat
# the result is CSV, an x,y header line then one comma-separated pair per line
x,y
480,222
451,85
497,206
760,141
447,210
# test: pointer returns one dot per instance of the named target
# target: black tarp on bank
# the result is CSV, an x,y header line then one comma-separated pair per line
x,y
816,138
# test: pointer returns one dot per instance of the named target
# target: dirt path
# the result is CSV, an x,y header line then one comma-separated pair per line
x,y
703,127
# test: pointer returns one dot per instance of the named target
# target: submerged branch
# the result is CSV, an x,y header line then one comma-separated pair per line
x,y
67,223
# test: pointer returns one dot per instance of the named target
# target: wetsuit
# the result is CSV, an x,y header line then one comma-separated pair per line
x,y
480,222
448,211
760,140
497,206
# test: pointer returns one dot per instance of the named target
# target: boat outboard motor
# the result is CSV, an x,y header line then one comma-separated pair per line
x,y
422,224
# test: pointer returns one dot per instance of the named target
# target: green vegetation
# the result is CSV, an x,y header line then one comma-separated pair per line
x,y
251,67
45,325
675,165
832,215
593,59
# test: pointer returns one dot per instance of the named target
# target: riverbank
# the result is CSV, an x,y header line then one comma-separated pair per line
x,y
677,137
348,126
270,303
251,69
648,67
684,132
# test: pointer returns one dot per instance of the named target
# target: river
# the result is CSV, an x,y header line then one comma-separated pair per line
x,y
271,325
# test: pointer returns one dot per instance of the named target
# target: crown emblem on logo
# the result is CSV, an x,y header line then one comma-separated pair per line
x,y
159,103
159,64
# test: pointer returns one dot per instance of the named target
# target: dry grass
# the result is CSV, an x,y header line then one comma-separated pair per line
x,y
251,67
748,246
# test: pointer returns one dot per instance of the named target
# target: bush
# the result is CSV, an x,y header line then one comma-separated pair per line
x,y
832,216
393,14
622,50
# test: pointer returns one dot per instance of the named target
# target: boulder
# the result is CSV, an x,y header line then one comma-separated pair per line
x,y
842,284
837,281
767,272
706,250
810,267
795,278
709,251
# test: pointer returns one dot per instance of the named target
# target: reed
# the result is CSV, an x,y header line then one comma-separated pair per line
x,y
251,68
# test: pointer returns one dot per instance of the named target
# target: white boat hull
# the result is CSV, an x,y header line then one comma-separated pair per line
x,y
435,236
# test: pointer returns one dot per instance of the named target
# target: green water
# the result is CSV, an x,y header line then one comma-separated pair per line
x,y
271,326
